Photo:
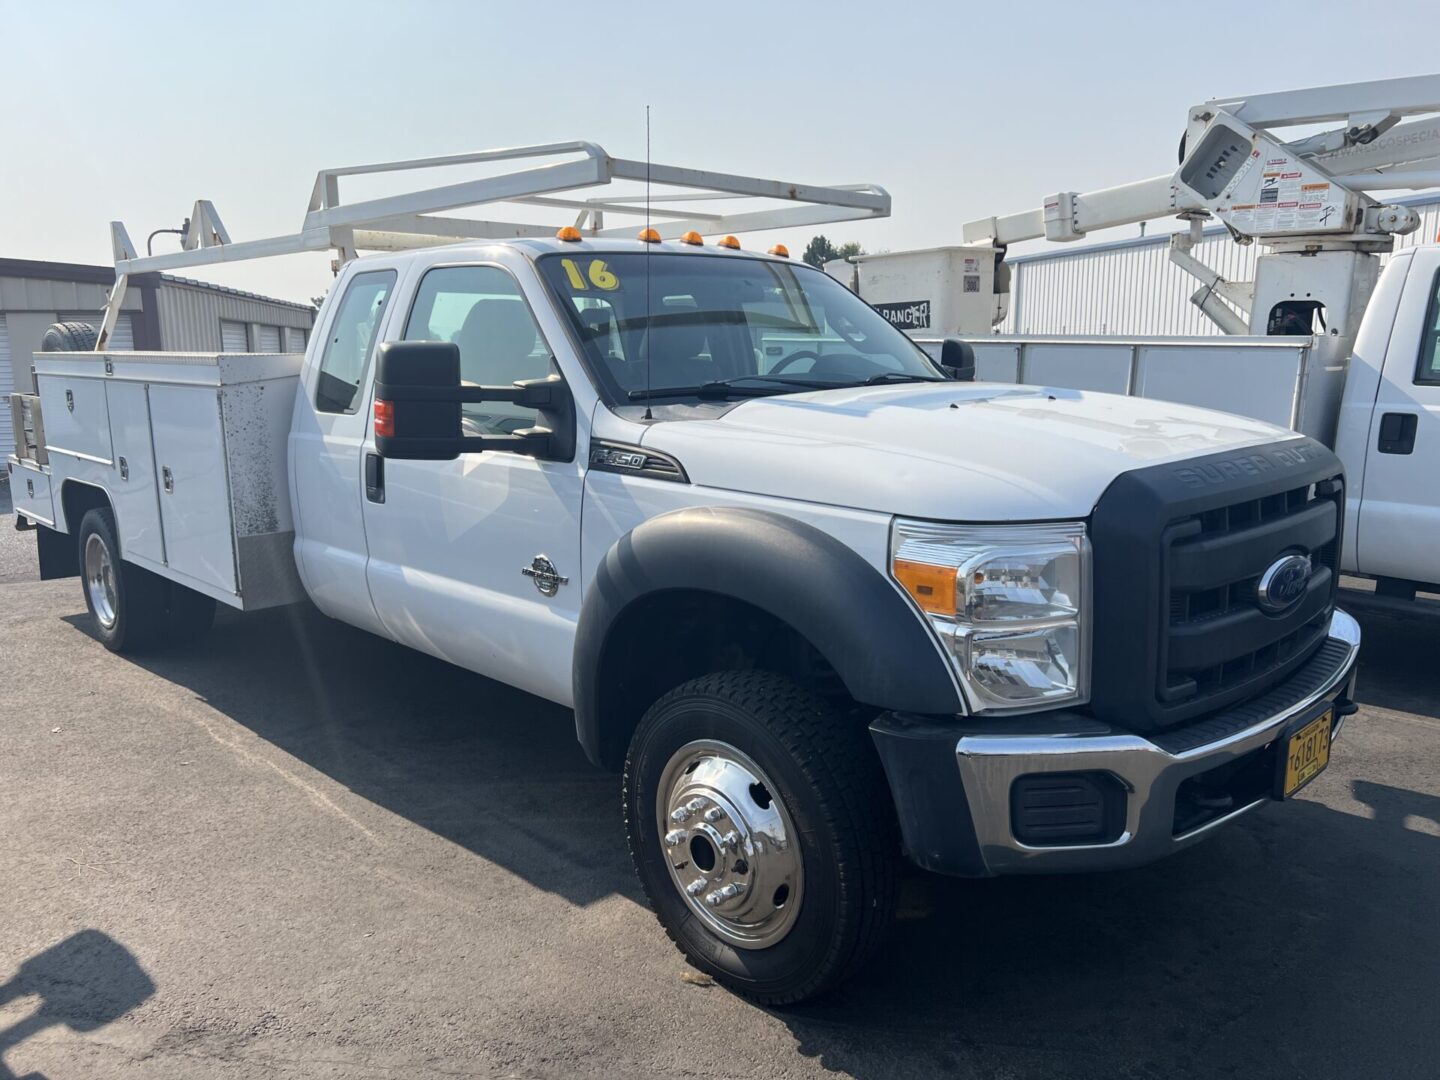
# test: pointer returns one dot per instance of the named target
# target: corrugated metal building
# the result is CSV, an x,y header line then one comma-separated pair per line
x,y
1131,286
209,318
159,312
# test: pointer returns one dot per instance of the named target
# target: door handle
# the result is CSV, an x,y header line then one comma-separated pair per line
x,y
1397,433
374,478
167,480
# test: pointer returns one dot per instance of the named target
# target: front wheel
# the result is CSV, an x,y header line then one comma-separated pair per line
x,y
761,828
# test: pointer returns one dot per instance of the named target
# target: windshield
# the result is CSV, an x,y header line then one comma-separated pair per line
x,y
723,324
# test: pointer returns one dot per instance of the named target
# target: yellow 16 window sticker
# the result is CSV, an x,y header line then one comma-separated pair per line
x,y
599,274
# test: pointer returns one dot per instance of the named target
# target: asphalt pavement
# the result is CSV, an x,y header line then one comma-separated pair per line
x,y
295,850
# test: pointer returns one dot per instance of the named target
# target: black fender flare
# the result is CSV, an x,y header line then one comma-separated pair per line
x,y
806,578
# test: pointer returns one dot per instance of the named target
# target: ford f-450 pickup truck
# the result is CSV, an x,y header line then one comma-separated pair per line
x,y
825,602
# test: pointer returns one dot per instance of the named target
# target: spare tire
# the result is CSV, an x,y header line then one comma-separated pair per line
x,y
69,337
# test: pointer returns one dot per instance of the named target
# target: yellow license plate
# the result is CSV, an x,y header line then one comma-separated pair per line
x,y
1308,753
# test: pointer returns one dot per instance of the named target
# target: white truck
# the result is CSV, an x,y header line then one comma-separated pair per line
x,y
1313,343
825,604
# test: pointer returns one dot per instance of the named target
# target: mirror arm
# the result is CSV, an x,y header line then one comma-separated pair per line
x,y
535,442
421,415
532,393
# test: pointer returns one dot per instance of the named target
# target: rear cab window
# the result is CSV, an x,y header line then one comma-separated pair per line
x,y
351,340
1427,368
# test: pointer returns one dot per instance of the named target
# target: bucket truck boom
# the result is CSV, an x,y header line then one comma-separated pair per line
x,y
1306,199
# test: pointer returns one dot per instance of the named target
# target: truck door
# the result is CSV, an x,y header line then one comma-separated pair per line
x,y
325,449
1399,519
469,559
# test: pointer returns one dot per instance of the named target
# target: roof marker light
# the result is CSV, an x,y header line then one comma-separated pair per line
x,y
692,237
570,234
728,242
781,250
650,236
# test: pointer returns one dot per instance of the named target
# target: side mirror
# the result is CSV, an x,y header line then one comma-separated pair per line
x,y
958,360
417,402
418,394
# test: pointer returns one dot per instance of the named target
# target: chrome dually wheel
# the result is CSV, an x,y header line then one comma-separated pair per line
x,y
100,580
732,848
128,603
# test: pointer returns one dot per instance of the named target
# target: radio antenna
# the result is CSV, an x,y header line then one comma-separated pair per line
x,y
649,330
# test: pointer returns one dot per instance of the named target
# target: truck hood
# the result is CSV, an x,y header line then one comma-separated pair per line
x,y
950,451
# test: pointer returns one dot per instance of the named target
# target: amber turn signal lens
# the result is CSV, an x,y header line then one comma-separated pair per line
x,y
729,242
692,237
781,250
650,236
384,419
932,587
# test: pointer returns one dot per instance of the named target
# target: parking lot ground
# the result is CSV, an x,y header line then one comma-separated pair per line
x,y
295,850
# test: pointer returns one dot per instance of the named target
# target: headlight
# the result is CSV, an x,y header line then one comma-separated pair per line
x,y
1010,604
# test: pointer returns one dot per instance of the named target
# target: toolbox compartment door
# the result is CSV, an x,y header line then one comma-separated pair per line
x,y
193,485
30,492
134,487
77,419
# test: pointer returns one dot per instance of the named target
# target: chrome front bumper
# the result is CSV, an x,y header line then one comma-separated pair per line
x,y
991,757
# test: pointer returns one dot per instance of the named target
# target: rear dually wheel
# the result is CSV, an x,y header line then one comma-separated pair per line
x,y
128,604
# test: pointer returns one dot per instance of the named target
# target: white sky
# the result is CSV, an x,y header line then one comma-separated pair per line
x,y
132,111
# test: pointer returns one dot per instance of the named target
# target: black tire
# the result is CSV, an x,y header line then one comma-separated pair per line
x,y
69,337
829,778
141,599
191,615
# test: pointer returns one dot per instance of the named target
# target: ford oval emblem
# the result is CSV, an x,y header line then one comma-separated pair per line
x,y
1283,583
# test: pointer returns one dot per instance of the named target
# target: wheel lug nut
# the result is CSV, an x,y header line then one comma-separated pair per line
x,y
730,839
728,892
674,837
679,815
695,805
714,814
696,887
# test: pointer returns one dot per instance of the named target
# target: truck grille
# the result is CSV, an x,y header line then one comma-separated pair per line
x,y
1179,551
1217,637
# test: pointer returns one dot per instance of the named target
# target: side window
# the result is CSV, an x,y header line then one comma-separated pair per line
x,y
352,339
1428,368
481,309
